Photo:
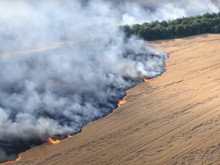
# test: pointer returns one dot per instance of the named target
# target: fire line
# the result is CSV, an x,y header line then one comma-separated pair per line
x,y
54,141
69,136
12,161
146,80
165,67
123,101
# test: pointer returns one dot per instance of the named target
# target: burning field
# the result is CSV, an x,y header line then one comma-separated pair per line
x,y
64,64
57,92
171,119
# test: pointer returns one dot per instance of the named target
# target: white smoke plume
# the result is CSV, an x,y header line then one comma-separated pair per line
x,y
57,91
151,10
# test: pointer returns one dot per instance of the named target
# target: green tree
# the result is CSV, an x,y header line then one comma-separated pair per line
x,y
181,27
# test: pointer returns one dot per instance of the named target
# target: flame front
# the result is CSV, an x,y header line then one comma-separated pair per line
x,y
18,158
123,101
146,80
165,67
12,161
54,141
69,136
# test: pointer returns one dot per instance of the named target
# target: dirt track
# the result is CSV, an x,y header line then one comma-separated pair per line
x,y
172,119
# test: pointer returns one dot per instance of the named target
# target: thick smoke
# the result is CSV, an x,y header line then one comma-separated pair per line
x,y
54,90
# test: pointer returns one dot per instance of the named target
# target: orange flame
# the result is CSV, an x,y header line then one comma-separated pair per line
x,y
12,161
18,158
54,141
146,80
123,101
69,136
165,67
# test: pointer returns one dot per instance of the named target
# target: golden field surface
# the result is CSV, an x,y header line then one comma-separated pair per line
x,y
171,119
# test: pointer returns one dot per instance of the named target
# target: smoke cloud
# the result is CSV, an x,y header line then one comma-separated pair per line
x,y
147,11
66,63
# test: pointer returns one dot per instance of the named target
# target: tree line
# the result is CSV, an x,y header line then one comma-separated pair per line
x,y
181,27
